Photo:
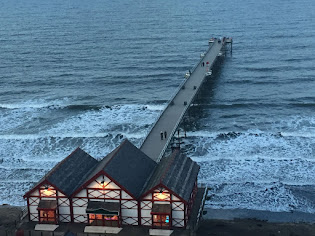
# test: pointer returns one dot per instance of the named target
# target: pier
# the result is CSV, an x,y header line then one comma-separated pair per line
x,y
135,181
154,145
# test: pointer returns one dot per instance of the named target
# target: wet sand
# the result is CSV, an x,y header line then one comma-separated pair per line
x,y
245,222
254,227
211,227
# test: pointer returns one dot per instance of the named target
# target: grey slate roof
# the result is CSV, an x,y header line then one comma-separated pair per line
x,y
70,173
176,172
129,166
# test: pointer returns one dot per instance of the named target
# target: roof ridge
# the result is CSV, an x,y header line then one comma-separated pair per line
x,y
192,164
145,185
169,165
115,152
181,168
62,161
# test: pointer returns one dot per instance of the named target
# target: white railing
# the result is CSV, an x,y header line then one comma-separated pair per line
x,y
202,204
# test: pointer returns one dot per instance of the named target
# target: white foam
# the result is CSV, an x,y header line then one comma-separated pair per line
x,y
202,134
296,126
299,134
239,168
117,119
271,197
156,107
98,132
36,104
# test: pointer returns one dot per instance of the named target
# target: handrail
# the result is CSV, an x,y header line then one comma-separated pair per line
x,y
182,114
202,203
168,103
24,212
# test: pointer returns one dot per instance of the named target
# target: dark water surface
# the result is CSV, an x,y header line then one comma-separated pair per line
x,y
89,74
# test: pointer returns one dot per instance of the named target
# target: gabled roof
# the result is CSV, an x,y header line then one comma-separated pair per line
x,y
176,172
130,167
70,173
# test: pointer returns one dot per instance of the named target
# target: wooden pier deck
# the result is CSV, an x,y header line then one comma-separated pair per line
x,y
170,118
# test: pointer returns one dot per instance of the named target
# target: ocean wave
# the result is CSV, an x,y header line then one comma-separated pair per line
x,y
256,133
36,104
51,105
274,196
66,104
68,136
155,107
310,105
299,134
248,104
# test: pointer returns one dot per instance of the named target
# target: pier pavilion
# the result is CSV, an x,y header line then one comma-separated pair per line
x,y
124,188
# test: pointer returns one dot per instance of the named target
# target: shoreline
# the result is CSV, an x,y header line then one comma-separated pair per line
x,y
219,222
250,227
269,216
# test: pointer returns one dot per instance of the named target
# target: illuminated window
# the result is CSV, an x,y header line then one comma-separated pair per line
x,y
47,216
161,221
103,220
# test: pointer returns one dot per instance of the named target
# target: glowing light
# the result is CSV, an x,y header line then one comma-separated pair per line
x,y
161,195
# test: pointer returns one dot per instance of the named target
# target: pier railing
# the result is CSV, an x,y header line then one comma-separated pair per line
x,y
169,103
204,197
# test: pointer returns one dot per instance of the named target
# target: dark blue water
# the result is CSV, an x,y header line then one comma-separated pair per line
x,y
89,74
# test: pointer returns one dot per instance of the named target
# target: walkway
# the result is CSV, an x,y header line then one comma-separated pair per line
x,y
169,120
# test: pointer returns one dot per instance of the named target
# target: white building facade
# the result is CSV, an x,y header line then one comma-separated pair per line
x,y
125,188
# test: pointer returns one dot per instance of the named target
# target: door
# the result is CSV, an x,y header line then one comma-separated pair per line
x,y
104,220
47,216
161,221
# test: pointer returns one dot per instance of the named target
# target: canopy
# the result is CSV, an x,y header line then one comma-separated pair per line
x,y
161,209
103,208
47,205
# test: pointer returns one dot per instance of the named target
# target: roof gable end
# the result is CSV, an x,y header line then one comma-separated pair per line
x,y
130,167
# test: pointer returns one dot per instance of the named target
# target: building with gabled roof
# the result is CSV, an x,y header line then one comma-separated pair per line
x,y
57,186
168,197
126,187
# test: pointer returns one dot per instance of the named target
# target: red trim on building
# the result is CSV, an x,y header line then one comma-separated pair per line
x,y
44,180
160,185
100,173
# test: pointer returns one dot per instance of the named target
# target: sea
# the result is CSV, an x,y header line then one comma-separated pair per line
x,y
90,74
